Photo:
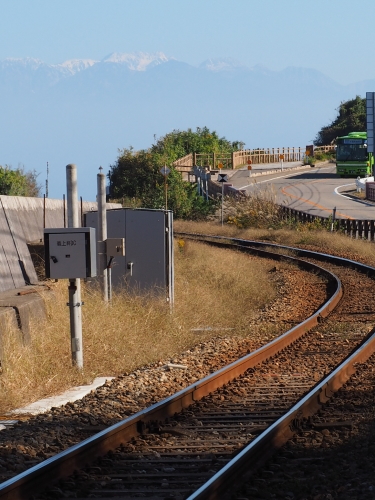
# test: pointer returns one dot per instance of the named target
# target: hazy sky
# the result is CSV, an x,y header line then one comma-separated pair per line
x,y
332,36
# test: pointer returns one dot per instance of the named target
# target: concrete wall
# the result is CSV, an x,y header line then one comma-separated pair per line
x,y
22,221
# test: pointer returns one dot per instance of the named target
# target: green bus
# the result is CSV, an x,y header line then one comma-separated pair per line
x,y
352,158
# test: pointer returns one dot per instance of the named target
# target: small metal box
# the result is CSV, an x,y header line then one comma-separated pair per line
x,y
115,247
70,252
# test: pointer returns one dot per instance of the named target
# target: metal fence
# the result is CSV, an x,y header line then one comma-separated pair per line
x,y
355,228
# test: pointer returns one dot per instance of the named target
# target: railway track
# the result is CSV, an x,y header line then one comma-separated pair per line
x,y
194,444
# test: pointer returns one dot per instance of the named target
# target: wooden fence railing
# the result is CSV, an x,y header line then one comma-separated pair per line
x,y
239,158
270,155
324,149
185,163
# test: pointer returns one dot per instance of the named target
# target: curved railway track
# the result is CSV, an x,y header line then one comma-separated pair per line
x,y
195,443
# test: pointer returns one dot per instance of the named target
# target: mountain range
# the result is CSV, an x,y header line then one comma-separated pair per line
x,y
82,110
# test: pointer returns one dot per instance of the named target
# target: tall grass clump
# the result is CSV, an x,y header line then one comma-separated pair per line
x,y
216,293
260,210
257,210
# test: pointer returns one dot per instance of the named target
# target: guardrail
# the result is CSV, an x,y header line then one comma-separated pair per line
x,y
355,228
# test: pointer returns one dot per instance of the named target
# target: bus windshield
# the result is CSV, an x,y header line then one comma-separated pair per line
x,y
348,152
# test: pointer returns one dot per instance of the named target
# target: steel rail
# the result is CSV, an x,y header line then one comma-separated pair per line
x,y
64,463
278,433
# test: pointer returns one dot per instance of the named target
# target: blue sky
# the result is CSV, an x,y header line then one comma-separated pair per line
x,y
332,36
335,37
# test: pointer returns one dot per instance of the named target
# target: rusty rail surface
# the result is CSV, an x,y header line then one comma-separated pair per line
x,y
66,462
283,429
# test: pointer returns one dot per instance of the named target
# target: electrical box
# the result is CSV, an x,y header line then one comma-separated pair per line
x,y
115,247
148,263
70,253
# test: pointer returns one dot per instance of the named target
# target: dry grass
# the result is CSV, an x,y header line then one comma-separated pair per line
x,y
213,288
335,243
258,210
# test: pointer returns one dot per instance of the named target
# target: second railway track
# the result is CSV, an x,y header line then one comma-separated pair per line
x,y
193,444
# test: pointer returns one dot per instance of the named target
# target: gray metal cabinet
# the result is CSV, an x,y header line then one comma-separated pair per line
x,y
148,261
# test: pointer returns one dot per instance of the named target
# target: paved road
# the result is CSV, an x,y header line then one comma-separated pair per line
x,y
315,190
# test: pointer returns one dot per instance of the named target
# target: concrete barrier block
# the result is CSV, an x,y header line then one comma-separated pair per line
x,y
8,320
27,305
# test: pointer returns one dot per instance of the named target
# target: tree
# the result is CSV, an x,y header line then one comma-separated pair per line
x,y
178,143
136,174
18,182
351,118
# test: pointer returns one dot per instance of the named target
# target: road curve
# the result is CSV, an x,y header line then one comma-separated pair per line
x,y
313,190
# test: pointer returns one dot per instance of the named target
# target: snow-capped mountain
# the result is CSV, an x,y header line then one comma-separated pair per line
x,y
35,74
83,110
26,62
137,61
19,72
75,65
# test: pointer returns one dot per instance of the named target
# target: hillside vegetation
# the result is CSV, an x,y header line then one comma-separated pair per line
x,y
17,182
135,177
351,118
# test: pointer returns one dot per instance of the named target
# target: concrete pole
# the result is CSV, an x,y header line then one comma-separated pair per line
x,y
75,302
102,236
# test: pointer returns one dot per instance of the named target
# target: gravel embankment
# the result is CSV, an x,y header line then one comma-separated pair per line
x,y
320,463
40,437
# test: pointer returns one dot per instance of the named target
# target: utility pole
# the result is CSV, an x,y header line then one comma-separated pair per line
x,y
75,302
102,234
47,181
